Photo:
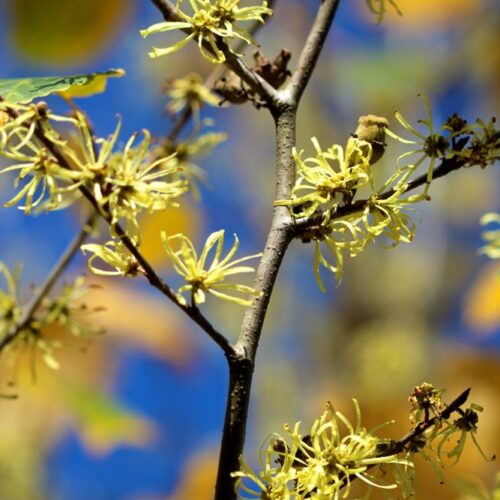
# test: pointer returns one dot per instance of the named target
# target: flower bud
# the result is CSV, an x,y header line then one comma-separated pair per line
x,y
371,128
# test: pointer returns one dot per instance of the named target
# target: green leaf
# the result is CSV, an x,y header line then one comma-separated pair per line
x,y
102,422
24,90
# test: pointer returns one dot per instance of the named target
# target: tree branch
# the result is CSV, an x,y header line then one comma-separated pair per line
x,y
399,445
147,269
312,48
396,447
51,279
241,365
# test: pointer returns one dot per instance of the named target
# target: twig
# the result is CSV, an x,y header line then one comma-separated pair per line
x,y
50,280
312,48
399,445
396,447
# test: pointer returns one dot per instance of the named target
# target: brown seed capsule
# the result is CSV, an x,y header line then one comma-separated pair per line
x,y
371,128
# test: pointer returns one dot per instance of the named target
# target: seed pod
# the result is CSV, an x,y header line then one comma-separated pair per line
x,y
371,128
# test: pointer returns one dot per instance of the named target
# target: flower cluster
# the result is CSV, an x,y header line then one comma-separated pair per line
x,y
332,176
210,22
189,93
46,183
331,172
441,428
323,463
202,277
53,168
322,198
39,337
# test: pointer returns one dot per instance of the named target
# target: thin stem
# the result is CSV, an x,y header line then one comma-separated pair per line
x,y
51,279
312,48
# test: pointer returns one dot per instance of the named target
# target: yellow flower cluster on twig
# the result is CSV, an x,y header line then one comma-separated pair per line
x,y
46,184
63,311
322,198
210,22
322,463
328,173
123,183
189,93
324,181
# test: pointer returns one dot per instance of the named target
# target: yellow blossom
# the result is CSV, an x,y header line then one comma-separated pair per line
x,y
209,22
331,172
189,92
322,463
203,277
115,254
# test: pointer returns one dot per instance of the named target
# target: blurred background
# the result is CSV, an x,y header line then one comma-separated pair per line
x,y
138,415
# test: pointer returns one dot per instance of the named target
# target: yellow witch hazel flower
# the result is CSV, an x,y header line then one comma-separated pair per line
x,y
322,464
209,21
331,172
45,182
134,183
203,277
189,92
115,255
128,181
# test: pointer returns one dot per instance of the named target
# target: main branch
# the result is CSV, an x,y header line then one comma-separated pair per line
x,y
312,48
241,365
